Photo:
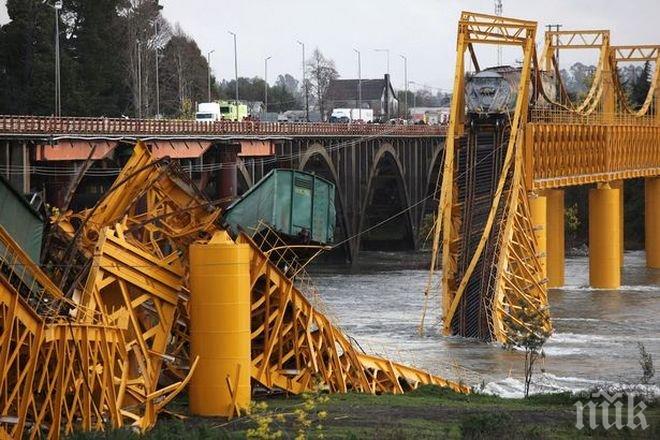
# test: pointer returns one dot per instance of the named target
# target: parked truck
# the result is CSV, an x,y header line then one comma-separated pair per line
x,y
352,115
220,110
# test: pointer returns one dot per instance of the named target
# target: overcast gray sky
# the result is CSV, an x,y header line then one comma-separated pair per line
x,y
423,30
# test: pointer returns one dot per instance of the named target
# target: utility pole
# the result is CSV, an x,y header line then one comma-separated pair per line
x,y
208,64
235,70
387,52
405,80
266,83
157,85
498,12
304,81
359,60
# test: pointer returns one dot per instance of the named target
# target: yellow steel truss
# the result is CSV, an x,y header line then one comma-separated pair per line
x,y
599,139
516,285
101,355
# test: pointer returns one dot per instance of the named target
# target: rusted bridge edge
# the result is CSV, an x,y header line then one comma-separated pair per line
x,y
48,126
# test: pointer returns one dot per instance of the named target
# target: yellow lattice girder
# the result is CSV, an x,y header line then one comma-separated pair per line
x,y
57,374
640,52
294,345
514,239
566,154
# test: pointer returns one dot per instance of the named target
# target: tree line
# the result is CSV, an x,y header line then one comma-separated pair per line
x,y
123,58
111,52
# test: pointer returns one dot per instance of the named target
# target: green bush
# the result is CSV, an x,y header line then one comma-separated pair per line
x,y
486,426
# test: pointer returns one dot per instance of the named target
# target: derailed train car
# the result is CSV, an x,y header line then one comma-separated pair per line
x,y
494,90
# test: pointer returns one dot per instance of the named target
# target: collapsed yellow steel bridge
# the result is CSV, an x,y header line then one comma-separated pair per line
x,y
121,316
106,338
499,225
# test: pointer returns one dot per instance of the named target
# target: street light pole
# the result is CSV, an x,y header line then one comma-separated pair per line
x,y
304,81
405,80
57,6
139,78
359,83
266,83
208,63
157,85
414,94
387,52
235,70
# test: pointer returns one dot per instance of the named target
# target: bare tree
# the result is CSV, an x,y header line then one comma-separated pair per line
x,y
145,29
183,74
529,335
320,71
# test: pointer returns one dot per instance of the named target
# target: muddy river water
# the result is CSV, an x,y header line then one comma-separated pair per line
x,y
379,302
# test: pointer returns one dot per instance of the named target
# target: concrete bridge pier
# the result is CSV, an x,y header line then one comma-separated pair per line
x,y
604,237
539,213
652,221
547,211
555,240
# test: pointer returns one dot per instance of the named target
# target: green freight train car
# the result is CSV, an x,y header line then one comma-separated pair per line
x,y
295,203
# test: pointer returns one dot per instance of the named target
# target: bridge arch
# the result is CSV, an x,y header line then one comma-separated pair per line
x,y
317,160
387,195
432,183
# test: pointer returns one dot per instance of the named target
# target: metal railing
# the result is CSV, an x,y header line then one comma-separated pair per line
x,y
564,154
100,126
559,116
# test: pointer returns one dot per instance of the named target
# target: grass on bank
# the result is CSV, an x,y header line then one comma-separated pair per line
x,y
429,412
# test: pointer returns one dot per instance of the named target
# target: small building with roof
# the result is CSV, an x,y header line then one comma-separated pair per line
x,y
377,94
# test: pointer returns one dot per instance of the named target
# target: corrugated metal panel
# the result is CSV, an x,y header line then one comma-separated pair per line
x,y
20,220
290,201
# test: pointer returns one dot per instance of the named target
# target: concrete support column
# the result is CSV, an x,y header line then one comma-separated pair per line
x,y
555,238
26,168
604,237
619,184
227,181
538,210
652,221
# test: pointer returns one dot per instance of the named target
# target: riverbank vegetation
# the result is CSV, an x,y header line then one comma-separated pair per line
x,y
429,412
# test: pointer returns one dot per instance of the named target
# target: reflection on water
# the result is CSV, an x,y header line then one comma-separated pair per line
x,y
380,301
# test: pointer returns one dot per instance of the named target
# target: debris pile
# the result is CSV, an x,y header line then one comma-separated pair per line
x,y
97,335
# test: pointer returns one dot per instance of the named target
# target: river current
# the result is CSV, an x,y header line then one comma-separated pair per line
x,y
379,302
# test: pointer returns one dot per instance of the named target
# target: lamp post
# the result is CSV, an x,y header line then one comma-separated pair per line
x,y
139,78
304,81
387,52
405,80
235,70
414,94
359,60
157,85
57,6
266,83
208,62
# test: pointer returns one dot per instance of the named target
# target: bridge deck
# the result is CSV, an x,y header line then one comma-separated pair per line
x,y
565,150
46,126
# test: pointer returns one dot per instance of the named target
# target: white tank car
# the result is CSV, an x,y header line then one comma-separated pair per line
x,y
495,90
